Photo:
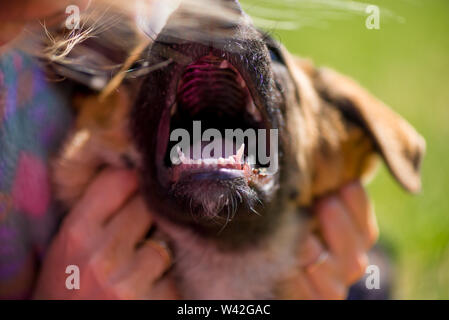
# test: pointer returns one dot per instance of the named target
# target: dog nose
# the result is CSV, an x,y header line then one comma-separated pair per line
x,y
190,16
234,4
228,15
216,24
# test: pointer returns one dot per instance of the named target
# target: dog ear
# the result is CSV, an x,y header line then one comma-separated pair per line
x,y
397,141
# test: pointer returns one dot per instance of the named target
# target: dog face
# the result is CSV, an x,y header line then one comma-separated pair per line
x,y
328,129
226,82
228,75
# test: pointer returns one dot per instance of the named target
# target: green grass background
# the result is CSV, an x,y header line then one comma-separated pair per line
x,y
405,64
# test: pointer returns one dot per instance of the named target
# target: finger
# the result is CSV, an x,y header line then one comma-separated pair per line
x,y
104,196
310,250
361,211
151,261
297,286
149,264
325,281
129,226
164,289
337,229
342,238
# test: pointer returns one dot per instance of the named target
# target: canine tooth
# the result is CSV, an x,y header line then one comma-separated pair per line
x,y
231,160
181,156
180,153
238,157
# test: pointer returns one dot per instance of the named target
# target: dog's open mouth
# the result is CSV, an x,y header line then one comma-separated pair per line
x,y
214,106
207,125
207,122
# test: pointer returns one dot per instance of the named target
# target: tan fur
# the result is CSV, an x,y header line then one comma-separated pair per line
x,y
396,141
203,272
99,137
339,150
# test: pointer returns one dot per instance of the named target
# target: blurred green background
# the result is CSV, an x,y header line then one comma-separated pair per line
x,y
406,64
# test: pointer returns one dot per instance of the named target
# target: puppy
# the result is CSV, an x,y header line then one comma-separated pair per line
x,y
234,227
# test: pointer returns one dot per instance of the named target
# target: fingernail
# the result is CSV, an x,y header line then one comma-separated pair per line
x,y
163,249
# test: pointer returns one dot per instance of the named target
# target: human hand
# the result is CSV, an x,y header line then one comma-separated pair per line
x,y
104,236
337,258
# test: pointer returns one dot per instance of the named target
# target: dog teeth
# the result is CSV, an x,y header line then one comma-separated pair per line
x,y
234,161
208,162
181,157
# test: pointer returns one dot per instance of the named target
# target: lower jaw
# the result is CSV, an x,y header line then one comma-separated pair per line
x,y
214,194
246,229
